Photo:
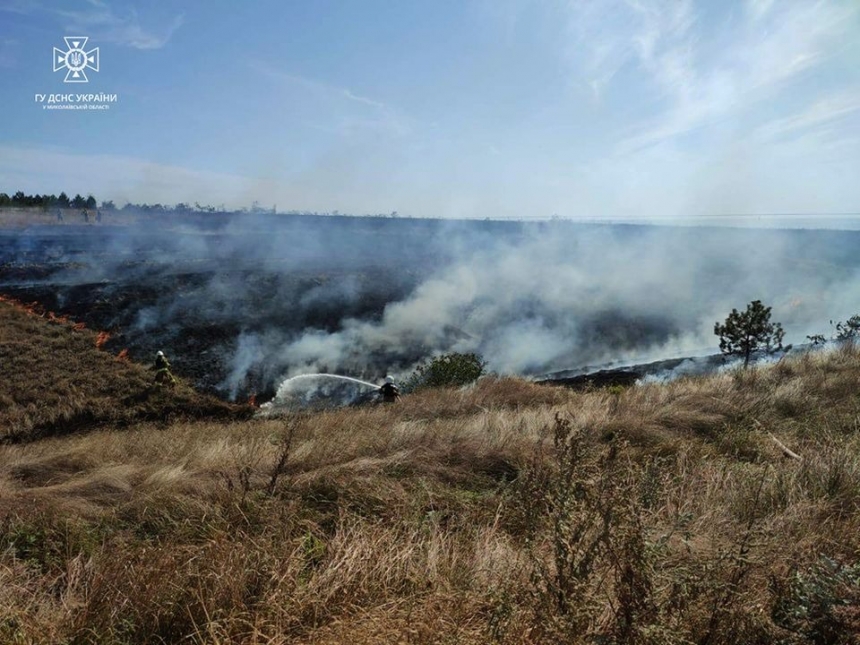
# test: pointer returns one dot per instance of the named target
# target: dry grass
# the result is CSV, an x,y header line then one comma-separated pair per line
x,y
508,513
54,382
12,218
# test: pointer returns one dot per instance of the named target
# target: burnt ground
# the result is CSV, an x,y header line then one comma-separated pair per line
x,y
194,288
627,375
189,299
197,343
193,285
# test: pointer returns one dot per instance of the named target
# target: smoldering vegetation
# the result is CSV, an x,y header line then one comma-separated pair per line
x,y
241,301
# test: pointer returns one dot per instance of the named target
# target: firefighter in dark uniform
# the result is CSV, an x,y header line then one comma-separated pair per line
x,y
389,392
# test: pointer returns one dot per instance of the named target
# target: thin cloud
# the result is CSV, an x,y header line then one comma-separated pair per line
x,y
758,9
103,23
309,83
696,81
362,99
819,114
116,177
345,112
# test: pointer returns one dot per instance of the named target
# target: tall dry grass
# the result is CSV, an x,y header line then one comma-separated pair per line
x,y
55,382
508,512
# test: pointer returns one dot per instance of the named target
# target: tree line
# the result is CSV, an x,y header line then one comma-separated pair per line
x,y
46,202
22,200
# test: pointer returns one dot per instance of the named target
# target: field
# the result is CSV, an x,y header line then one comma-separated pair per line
x,y
713,510
238,301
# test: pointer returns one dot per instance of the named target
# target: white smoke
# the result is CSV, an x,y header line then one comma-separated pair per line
x,y
249,352
527,307
567,296
254,299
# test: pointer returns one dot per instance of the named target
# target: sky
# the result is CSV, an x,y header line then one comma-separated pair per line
x,y
443,108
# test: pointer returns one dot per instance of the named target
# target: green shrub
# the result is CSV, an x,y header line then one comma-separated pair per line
x,y
448,370
821,604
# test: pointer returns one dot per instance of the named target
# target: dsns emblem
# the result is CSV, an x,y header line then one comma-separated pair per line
x,y
76,60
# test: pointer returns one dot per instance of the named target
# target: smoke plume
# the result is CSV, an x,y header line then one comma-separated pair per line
x,y
241,301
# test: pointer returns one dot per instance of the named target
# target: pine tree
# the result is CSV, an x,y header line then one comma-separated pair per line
x,y
744,333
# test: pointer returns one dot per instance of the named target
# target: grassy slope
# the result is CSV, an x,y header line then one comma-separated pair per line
x,y
55,382
508,513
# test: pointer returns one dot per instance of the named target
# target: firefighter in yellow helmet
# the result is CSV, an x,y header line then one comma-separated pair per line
x,y
162,370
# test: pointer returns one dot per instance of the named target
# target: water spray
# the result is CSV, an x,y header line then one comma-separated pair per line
x,y
322,374
317,391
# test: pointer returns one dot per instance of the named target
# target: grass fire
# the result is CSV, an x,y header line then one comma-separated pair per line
x,y
478,322
715,505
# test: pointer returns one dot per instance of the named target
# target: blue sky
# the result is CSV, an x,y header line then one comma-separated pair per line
x,y
466,108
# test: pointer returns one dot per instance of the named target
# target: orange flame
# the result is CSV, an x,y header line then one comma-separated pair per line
x,y
252,400
63,320
29,309
34,309
122,356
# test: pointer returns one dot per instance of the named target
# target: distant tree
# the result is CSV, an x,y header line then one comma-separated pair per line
x,y
108,206
19,199
5,200
816,339
848,330
91,202
79,202
744,333
63,201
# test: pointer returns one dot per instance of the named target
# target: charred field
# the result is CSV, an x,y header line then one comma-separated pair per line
x,y
122,279
238,301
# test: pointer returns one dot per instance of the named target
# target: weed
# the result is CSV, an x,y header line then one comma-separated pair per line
x,y
822,603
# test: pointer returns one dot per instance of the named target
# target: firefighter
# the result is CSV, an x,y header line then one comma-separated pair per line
x,y
389,392
162,370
